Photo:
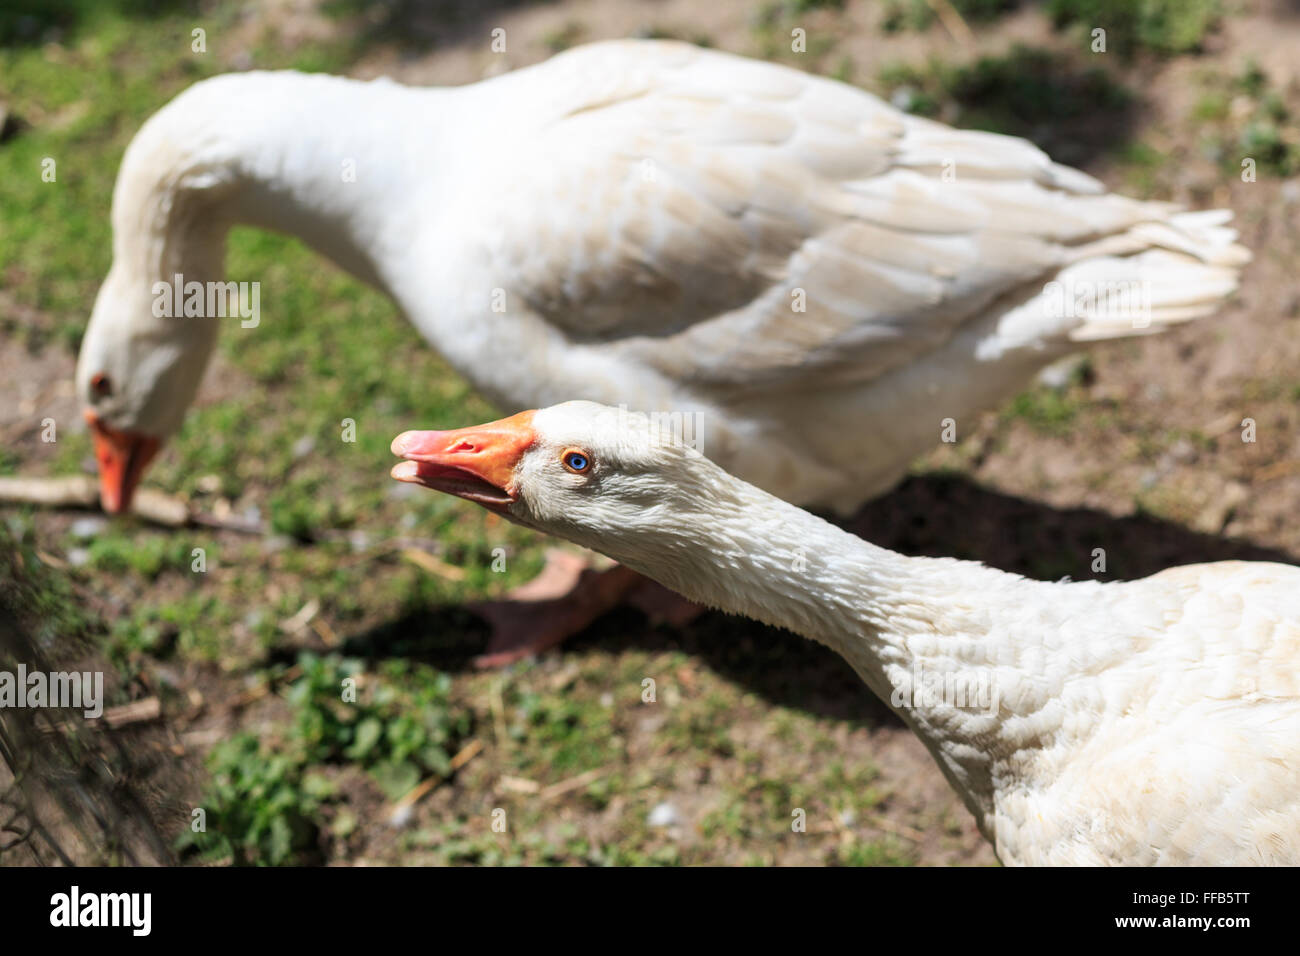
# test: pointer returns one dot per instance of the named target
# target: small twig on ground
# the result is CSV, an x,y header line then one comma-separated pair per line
x,y
157,507
573,783
123,715
54,492
1276,470
305,615
82,491
518,785
136,712
433,565
466,754
401,810
900,829
325,632
952,21
497,703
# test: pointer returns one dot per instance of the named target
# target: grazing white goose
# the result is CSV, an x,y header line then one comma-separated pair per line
x,y
1146,722
820,277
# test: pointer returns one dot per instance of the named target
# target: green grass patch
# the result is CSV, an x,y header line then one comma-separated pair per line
x,y
1049,411
265,799
1158,26
1247,124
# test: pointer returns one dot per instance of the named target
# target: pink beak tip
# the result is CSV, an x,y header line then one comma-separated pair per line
x,y
402,442
405,471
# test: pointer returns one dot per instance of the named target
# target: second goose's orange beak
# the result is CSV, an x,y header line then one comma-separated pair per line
x,y
123,457
477,464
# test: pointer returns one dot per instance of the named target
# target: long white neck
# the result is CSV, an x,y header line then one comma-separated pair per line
x,y
308,155
970,657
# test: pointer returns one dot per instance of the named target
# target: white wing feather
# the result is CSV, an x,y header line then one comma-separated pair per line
x,y
686,204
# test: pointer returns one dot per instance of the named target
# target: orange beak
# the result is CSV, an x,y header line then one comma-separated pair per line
x,y
477,464
123,457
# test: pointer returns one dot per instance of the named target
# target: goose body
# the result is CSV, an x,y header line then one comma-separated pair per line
x,y
1147,722
651,224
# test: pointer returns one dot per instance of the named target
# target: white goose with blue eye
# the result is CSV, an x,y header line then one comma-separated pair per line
x,y
820,277
1145,722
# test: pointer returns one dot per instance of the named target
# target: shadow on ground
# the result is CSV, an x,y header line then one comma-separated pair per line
x,y
422,25
936,515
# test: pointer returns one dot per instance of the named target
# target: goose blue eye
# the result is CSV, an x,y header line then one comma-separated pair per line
x,y
576,461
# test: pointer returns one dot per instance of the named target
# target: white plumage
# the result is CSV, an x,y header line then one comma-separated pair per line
x,y
652,224
1144,722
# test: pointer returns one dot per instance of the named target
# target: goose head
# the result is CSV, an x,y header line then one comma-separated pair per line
x,y
602,477
137,374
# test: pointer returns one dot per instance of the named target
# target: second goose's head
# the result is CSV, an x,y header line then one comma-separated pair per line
x,y
137,374
602,477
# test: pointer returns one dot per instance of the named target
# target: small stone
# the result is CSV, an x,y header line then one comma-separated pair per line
x,y
401,817
663,815
77,557
304,446
86,528
209,484
1183,451
650,725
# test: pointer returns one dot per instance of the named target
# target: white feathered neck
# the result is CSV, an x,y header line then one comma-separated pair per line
x,y
1151,721
963,653
304,154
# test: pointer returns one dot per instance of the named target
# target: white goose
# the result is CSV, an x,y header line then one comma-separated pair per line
x,y
1147,722
821,277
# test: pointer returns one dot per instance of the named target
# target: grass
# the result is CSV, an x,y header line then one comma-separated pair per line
x,y
1048,411
36,599
1158,26
1245,119
267,800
